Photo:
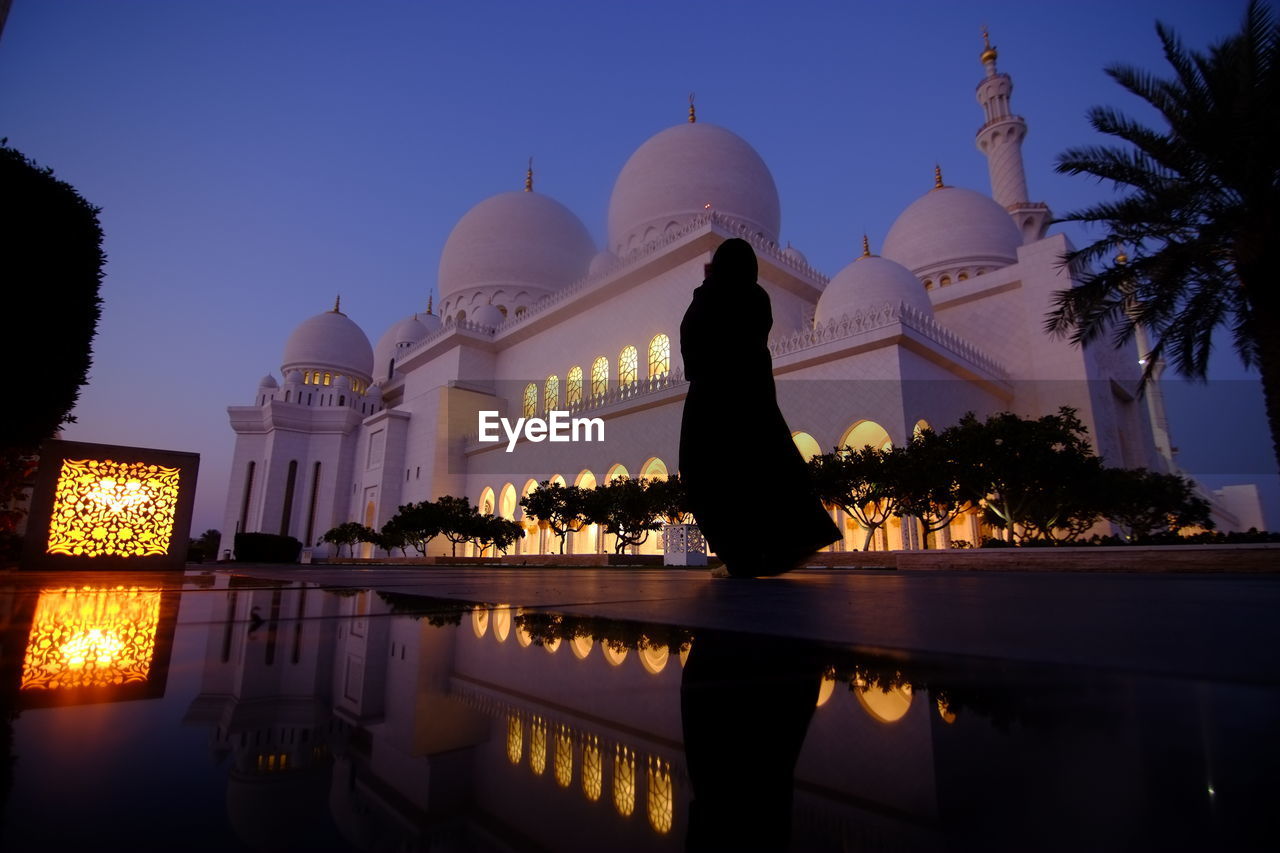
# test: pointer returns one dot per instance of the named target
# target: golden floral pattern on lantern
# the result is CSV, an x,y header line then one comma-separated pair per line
x,y
123,509
91,637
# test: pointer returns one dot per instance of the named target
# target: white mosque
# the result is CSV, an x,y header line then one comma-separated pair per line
x,y
533,317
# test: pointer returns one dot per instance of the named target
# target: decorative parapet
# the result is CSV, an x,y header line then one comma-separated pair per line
x,y
878,317
768,248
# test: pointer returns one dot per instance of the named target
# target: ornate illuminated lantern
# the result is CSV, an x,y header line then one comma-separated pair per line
x,y
102,506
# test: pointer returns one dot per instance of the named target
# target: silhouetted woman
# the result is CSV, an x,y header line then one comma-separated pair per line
x,y
748,486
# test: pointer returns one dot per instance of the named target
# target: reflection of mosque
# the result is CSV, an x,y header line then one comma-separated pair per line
x,y
489,735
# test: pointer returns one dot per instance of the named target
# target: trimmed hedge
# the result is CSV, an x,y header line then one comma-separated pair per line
x,y
267,548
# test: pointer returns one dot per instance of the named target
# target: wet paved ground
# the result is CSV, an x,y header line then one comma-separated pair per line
x,y
340,708
1222,626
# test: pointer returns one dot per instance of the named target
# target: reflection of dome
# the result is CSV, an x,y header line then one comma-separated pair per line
x,y
402,335
950,227
870,282
513,241
332,342
673,176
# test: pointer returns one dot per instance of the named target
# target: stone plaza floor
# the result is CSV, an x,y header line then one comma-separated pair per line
x,y
238,707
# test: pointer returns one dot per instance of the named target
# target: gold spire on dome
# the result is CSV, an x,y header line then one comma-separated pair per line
x,y
337,305
988,52
693,117
937,177
528,177
866,248
430,296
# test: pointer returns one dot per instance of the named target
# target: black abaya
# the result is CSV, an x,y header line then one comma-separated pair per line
x,y
748,486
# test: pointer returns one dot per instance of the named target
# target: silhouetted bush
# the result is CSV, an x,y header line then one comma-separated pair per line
x,y
267,548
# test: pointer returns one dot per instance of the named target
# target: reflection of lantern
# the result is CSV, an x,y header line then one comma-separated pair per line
x,y
91,638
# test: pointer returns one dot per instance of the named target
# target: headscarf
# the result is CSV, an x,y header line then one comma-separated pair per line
x,y
733,263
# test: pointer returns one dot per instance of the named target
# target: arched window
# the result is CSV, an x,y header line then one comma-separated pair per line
x,y
530,400
573,387
327,379
627,366
599,376
659,356
306,378
551,394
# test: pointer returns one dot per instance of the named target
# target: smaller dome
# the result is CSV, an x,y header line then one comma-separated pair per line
x,y
869,282
602,262
330,341
268,381
795,254
487,316
293,377
949,227
402,334
374,392
341,382
431,322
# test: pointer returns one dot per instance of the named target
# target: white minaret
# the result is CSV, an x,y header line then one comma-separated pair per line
x,y
1000,139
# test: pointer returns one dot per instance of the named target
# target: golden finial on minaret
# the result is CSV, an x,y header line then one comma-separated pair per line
x,y
430,296
693,117
937,177
1122,258
866,247
337,304
528,177
988,52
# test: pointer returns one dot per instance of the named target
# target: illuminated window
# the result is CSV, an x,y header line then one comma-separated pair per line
x,y
91,638
573,387
306,378
538,745
659,356
592,768
551,393
564,757
944,281
123,509
627,366
599,376
659,800
964,276
515,739
327,379
530,400
624,780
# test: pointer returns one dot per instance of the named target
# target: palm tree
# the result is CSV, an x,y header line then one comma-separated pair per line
x,y
1200,213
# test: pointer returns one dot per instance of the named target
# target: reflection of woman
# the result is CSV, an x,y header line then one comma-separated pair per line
x,y
737,459
745,705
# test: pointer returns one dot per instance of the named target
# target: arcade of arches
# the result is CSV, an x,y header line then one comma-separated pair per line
x,y
898,533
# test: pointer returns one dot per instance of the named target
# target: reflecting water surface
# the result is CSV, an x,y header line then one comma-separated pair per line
x,y
222,713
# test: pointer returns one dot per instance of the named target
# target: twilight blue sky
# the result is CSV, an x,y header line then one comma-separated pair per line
x,y
252,159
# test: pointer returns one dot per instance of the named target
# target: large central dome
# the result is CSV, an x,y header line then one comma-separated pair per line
x,y
672,178
512,242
